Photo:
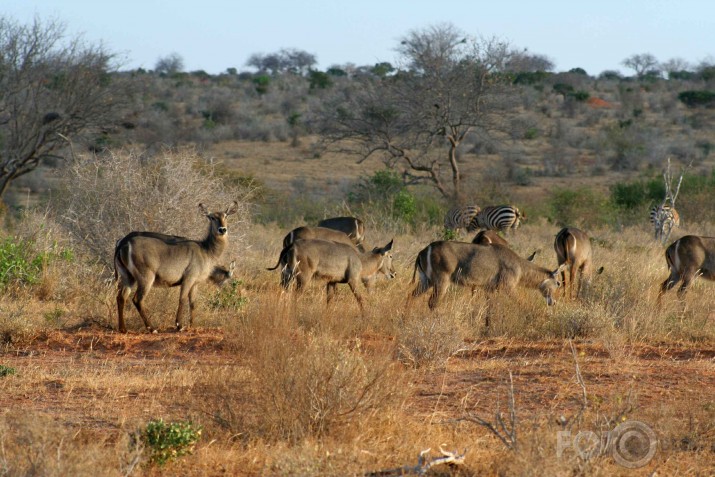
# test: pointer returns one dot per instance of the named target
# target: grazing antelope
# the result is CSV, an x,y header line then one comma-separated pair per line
x,y
317,233
688,258
460,217
573,247
490,266
145,259
488,237
220,274
497,217
353,227
305,260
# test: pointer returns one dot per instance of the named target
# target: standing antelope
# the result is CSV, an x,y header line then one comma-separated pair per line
x,y
318,233
145,259
497,217
573,247
353,227
688,258
490,266
337,263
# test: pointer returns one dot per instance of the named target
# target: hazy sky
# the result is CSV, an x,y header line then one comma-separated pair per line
x,y
213,35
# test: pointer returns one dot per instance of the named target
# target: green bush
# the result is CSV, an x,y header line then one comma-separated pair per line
x,y
168,441
6,371
580,207
404,207
20,264
693,99
228,297
629,195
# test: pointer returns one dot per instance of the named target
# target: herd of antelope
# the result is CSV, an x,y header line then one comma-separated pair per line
x,y
333,251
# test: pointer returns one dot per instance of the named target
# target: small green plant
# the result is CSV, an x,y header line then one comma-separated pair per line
x,y
404,207
21,264
449,234
168,441
6,371
228,297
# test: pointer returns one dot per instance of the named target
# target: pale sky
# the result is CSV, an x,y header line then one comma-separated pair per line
x,y
213,35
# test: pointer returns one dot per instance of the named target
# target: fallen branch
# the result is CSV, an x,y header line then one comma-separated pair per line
x,y
423,464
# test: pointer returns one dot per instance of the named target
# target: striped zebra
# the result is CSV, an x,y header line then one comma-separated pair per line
x,y
460,217
664,218
497,217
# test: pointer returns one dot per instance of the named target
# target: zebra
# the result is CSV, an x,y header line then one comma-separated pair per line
x,y
497,217
460,217
664,218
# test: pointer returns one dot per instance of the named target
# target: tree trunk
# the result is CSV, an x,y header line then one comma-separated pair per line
x,y
456,175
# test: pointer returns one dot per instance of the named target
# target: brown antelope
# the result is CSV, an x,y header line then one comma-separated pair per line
x,y
488,237
317,233
573,247
688,258
353,227
220,274
490,266
145,259
305,260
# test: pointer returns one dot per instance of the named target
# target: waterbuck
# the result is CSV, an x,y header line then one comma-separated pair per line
x,y
305,260
688,258
318,233
145,259
490,266
353,227
573,247
488,237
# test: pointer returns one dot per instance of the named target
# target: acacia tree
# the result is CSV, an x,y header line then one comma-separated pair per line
x,y
51,90
643,64
449,86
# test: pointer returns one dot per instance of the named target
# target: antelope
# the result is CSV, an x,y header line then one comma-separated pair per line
x,y
353,227
573,247
490,266
318,233
145,259
305,260
488,237
688,258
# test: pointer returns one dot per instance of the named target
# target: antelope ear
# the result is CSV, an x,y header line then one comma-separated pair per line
x,y
599,271
233,208
203,209
388,247
232,265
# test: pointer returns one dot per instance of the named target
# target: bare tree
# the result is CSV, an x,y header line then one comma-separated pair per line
x,y
674,65
450,86
50,90
642,64
169,64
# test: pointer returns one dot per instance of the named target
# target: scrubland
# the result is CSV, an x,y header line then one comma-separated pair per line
x,y
283,388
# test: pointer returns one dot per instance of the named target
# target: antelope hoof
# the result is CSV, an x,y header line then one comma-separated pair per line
x,y
122,330
180,327
151,330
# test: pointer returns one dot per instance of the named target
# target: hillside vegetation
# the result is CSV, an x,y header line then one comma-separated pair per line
x,y
265,385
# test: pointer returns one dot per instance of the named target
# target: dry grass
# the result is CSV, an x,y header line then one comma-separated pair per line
x,y
283,388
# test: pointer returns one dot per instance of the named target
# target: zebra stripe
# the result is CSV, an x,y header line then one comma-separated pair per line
x,y
460,217
498,217
665,212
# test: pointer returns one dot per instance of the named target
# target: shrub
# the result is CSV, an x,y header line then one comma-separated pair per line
x,y
579,207
21,264
104,198
693,99
228,297
6,371
168,441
